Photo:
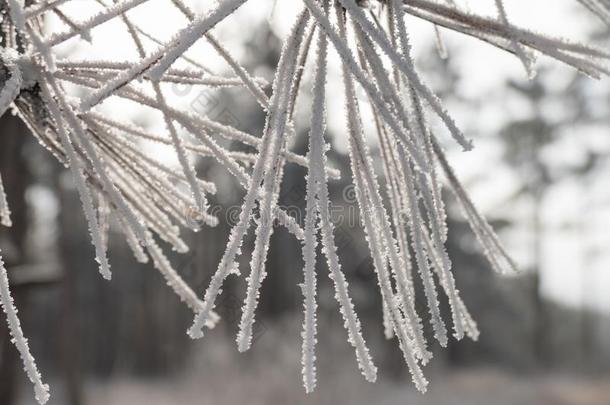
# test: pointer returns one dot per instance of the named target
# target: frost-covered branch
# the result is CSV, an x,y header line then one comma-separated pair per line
x,y
403,217
41,390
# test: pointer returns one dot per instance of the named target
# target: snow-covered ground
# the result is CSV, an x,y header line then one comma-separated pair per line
x,y
270,374
459,387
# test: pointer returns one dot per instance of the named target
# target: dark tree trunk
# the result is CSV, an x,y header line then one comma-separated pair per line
x,y
542,343
16,178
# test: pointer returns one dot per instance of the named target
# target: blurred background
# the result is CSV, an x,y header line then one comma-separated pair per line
x,y
539,172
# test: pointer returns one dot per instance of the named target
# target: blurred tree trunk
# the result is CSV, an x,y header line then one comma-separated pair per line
x,y
69,331
16,178
542,343
16,166
589,301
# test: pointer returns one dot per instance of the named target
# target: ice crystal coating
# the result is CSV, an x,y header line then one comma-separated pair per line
x,y
152,201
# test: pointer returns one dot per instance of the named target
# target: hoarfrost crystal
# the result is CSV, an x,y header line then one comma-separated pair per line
x,y
152,201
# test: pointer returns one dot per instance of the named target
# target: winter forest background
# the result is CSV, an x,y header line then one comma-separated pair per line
x,y
539,173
